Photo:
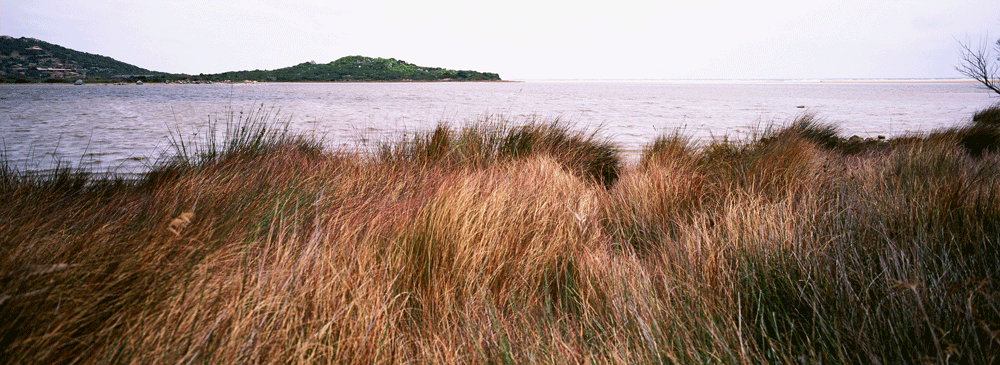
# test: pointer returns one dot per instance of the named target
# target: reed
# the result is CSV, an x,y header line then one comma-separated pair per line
x,y
506,242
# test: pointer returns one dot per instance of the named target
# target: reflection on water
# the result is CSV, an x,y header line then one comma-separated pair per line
x,y
125,128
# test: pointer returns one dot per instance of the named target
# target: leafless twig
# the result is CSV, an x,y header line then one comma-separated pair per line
x,y
979,64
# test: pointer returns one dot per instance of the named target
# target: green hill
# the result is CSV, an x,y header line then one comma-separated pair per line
x,y
32,59
354,68
29,58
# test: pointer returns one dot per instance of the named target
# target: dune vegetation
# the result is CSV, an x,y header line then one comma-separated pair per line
x,y
513,242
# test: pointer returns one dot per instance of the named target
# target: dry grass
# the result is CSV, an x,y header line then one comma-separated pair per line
x,y
506,243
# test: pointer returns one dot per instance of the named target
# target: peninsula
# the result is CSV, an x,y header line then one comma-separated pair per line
x,y
355,68
29,60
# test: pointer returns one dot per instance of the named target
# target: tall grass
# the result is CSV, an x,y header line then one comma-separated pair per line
x,y
496,140
511,243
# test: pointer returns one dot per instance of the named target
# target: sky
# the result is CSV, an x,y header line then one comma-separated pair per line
x,y
526,40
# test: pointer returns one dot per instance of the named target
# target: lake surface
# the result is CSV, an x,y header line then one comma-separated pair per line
x,y
125,128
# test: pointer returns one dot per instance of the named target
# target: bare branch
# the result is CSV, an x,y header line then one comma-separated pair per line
x,y
980,65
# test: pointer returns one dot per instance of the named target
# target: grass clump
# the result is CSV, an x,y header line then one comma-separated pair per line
x,y
259,132
511,243
980,137
989,116
490,142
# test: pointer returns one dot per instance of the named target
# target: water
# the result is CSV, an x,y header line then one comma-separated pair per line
x,y
125,128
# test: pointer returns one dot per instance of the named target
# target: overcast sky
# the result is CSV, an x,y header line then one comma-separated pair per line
x,y
535,39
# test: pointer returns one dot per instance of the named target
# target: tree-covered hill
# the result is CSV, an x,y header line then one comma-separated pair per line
x,y
29,58
355,68
32,59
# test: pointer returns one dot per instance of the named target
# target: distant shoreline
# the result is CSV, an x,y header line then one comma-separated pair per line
x,y
768,81
708,82
907,81
70,83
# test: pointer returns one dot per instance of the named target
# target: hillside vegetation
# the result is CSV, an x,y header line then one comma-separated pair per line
x,y
29,58
514,243
354,68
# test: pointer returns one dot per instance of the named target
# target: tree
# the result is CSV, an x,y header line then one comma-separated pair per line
x,y
979,64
